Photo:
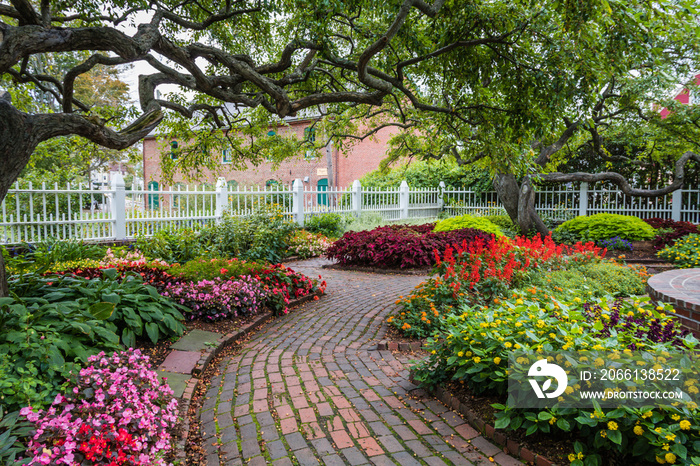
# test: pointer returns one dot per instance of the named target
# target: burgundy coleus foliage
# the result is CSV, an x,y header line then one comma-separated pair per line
x,y
399,246
680,229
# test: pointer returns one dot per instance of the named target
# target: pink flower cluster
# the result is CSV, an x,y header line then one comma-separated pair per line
x,y
115,413
219,298
129,258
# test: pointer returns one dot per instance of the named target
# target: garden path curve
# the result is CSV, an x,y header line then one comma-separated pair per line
x,y
311,388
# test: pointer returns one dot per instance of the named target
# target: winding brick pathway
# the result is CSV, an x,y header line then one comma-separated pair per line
x,y
311,388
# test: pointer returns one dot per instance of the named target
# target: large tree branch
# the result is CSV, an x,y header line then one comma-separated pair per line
x,y
51,125
621,181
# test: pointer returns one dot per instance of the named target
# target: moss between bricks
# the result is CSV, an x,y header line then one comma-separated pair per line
x,y
179,449
510,446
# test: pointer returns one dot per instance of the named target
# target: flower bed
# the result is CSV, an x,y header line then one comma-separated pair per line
x,y
114,412
398,246
532,296
479,272
475,349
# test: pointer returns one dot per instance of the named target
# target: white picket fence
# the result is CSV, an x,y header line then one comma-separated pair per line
x,y
32,214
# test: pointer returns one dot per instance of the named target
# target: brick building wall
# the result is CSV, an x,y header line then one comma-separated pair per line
x,y
362,157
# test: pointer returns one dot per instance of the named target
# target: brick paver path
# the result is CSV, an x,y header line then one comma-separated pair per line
x,y
311,388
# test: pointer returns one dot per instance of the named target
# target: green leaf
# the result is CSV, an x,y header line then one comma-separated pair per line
x,y
680,450
111,298
102,311
128,338
502,423
110,273
563,424
83,328
531,430
615,436
152,331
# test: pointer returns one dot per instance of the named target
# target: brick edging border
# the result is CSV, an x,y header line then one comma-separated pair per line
x,y
402,346
179,449
510,446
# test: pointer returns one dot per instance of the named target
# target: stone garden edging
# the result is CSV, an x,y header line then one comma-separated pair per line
x,y
208,353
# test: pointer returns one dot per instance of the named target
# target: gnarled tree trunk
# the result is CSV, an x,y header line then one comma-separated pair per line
x,y
519,202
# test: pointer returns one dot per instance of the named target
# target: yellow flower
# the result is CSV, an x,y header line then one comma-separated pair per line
x,y
671,437
670,458
460,354
675,417
507,344
612,425
603,433
497,360
477,359
519,301
685,425
639,430
572,457
660,460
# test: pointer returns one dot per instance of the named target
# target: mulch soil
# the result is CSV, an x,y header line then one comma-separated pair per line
x,y
158,352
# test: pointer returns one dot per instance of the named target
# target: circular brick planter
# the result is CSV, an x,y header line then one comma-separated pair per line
x,y
681,289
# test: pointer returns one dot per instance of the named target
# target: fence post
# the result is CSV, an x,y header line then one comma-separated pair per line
x,y
676,203
298,201
221,198
403,200
441,196
119,207
357,198
583,200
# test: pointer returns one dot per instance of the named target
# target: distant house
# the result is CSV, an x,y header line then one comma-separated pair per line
x,y
686,96
328,166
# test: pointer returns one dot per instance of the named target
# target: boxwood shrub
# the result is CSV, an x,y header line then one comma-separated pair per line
x,y
604,226
468,221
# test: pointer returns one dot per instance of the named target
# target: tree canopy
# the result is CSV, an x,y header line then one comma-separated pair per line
x,y
504,84
567,80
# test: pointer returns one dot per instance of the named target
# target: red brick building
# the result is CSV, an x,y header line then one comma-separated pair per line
x,y
329,166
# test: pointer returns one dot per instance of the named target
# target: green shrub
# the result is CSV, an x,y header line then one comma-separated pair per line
x,y
171,245
263,235
603,226
502,221
592,279
43,255
468,221
685,253
330,225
